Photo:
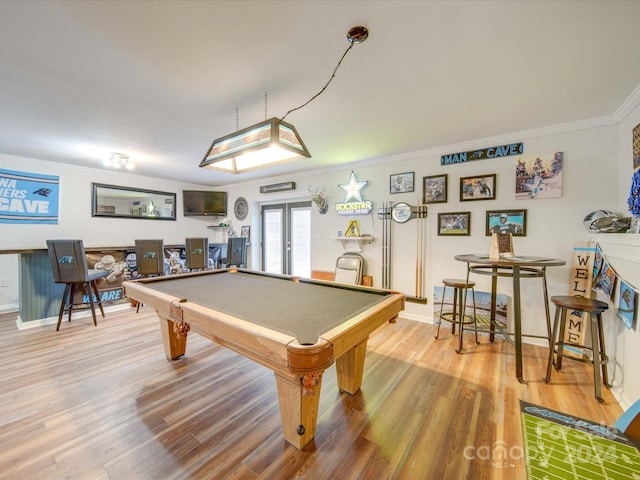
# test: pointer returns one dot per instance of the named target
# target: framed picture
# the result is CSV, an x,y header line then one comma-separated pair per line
x,y
434,189
401,182
636,146
481,187
454,223
245,231
507,221
539,176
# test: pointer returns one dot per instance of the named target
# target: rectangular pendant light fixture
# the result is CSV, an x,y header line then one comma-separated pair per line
x,y
264,144
271,142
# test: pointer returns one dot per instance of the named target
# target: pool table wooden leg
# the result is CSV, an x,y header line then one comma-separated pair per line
x,y
299,397
174,345
350,368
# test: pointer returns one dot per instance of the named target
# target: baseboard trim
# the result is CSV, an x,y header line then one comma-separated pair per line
x,y
9,308
79,315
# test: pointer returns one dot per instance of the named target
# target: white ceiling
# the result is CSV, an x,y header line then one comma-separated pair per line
x,y
159,80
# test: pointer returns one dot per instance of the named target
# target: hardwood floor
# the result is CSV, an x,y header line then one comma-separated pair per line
x,y
104,403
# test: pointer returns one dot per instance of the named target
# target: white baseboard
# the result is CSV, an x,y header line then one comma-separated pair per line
x,y
53,320
9,308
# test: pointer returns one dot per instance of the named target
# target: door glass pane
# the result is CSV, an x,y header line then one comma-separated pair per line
x,y
301,242
272,241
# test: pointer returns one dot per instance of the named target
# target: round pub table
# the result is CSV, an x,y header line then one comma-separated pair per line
x,y
516,267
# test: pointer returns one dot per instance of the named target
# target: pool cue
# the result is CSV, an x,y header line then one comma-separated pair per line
x,y
420,253
417,250
388,244
385,215
422,214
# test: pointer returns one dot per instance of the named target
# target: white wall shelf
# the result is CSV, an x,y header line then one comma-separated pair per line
x,y
220,234
354,244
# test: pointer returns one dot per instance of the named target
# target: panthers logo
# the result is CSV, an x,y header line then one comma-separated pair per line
x,y
66,259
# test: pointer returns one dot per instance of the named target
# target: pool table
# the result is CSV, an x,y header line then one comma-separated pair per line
x,y
296,327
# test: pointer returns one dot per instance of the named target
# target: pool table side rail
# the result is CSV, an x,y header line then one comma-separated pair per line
x,y
266,346
346,335
343,286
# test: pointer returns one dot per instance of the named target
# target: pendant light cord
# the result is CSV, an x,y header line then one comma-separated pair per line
x,y
325,86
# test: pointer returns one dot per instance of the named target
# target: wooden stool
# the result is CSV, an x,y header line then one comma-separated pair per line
x,y
457,315
594,308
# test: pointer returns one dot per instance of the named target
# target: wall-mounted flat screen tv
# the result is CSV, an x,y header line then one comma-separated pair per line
x,y
204,203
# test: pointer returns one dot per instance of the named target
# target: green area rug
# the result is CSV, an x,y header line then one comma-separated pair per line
x,y
559,446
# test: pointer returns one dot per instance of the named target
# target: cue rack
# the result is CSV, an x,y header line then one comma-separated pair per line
x,y
402,213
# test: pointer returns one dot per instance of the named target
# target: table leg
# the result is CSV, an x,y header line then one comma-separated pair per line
x,y
350,368
595,345
299,396
455,311
462,302
546,305
174,345
554,335
517,322
494,290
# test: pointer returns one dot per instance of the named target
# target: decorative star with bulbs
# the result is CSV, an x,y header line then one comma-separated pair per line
x,y
353,189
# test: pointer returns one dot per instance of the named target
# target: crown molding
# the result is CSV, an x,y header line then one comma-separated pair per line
x,y
628,105
620,114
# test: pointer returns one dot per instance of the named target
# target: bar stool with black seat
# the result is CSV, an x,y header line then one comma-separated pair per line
x,y
197,253
149,259
457,316
599,359
69,266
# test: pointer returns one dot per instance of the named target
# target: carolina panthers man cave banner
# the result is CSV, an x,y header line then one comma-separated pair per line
x,y
28,197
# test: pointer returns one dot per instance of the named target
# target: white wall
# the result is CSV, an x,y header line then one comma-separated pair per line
x,y
596,156
553,225
75,210
9,294
624,344
76,220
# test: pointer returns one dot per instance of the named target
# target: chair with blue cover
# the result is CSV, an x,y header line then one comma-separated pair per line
x,y
69,266
629,422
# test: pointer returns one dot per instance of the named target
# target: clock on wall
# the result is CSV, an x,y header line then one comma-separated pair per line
x,y
241,208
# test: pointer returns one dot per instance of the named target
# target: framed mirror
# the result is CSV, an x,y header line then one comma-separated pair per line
x,y
128,202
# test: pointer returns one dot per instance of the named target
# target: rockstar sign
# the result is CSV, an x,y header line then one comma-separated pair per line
x,y
353,203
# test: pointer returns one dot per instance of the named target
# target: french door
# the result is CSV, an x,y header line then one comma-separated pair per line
x,y
286,238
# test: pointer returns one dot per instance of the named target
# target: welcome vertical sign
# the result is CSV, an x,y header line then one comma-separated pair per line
x,y
580,284
28,197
